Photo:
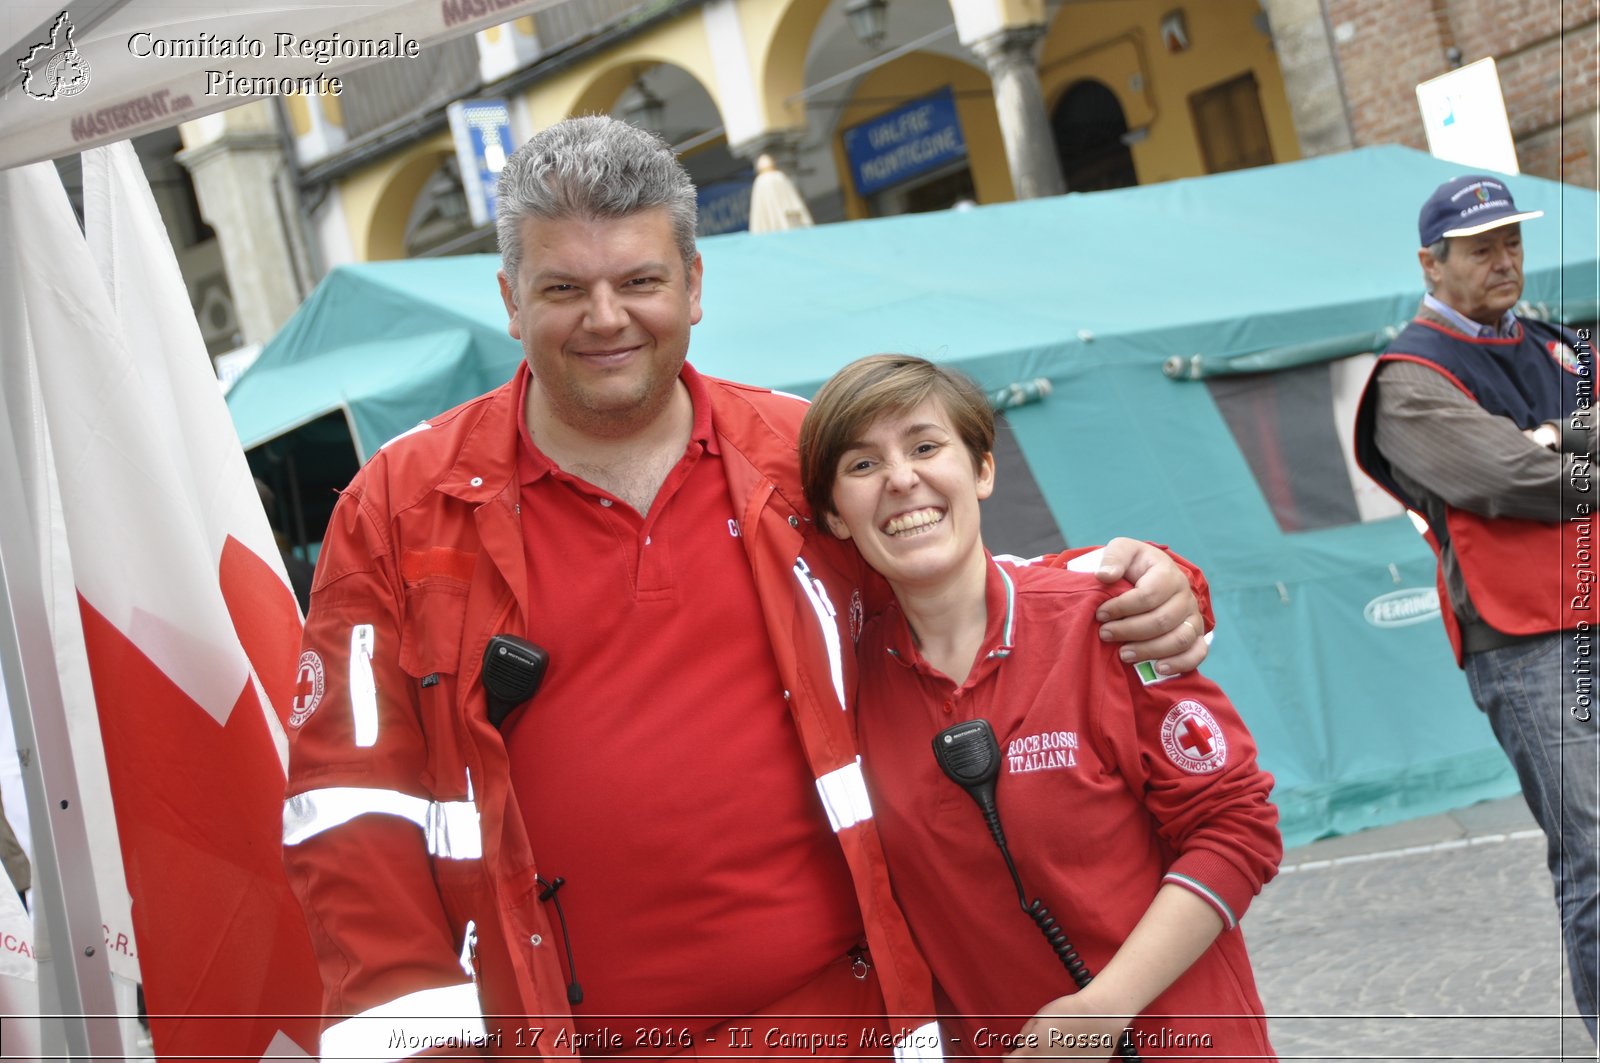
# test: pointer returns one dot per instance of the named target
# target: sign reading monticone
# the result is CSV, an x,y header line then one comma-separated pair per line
x,y
892,148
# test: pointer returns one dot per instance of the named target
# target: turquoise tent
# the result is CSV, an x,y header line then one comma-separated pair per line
x,y
1196,338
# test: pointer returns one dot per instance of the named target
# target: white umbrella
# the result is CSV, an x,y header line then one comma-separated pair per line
x,y
774,202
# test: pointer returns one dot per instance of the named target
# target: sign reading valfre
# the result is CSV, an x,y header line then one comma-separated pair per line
x,y
921,136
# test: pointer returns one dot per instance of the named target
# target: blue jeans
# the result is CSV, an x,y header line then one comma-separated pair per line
x,y
1544,705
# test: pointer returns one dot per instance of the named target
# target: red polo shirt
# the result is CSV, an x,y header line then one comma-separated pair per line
x,y
658,769
1108,787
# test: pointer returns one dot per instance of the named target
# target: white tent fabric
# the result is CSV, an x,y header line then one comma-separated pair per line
x,y
122,88
95,854
19,389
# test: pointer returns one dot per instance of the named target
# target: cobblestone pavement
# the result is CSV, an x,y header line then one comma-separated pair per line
x,y
1433,939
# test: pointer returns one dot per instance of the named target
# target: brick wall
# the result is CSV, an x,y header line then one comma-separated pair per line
x,y
1546,52
1384,48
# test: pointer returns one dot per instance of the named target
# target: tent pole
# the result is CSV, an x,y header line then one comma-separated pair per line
x,y
75,980
297,507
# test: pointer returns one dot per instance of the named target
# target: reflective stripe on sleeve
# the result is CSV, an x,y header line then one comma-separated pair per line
x,y
451,828
309,814
447,1017
817,595
844,796
469,949
454,831
923,1043
363,688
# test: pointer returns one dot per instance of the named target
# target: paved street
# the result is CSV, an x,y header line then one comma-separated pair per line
x,y
1433,939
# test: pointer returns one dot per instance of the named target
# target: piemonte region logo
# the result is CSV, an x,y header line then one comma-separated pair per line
x,y
55,68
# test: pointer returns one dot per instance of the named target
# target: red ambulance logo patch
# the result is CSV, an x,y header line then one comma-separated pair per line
x,y
1192,739
308,687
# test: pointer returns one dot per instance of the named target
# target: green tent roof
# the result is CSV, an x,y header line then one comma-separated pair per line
x,y
1219,266
1361,719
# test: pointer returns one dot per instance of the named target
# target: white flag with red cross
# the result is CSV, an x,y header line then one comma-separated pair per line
x,y
190,627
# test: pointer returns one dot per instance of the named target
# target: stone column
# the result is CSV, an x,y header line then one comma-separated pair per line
x,y
237,159
316,123
1011,56
1310,76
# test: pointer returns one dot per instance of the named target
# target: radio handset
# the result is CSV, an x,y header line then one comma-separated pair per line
x,y
969,756
513,668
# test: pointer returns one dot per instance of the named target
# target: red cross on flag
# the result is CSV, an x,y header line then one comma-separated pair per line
x,y
189,624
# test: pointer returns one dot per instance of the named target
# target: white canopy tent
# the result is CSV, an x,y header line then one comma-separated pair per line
x,y
127,89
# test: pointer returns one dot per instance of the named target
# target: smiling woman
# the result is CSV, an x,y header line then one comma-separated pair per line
x,y
1171,832
896,459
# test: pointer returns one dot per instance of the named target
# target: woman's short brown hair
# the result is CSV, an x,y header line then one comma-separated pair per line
x,y
866,390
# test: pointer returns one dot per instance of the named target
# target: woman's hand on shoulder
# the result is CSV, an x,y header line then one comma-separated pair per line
x,y
1159,619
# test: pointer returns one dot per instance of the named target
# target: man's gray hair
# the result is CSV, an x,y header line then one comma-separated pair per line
x,y
1440,250
589,168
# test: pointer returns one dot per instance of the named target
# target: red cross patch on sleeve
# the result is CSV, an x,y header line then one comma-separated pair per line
x,y
1192,739
308,687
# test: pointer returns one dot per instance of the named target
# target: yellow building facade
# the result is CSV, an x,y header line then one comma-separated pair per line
x,y
1132,91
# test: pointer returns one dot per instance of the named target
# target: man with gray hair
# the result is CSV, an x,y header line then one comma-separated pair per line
x,y
708,877
1482,422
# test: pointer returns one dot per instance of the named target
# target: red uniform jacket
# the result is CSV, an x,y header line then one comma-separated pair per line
x,y
402,838
1109,787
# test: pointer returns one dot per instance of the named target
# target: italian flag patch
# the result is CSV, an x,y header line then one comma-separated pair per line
x,y
1148,674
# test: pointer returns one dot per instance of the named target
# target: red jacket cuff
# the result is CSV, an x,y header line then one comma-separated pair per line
x,y
1215,880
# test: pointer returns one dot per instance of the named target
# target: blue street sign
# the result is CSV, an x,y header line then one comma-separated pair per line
x,y
724,207
923,135
481,130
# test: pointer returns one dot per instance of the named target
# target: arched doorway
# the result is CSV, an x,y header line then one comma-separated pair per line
x,y
672,101
440,223
1089,126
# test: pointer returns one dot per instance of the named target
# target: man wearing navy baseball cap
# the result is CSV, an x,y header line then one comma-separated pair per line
x,y
1481,421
